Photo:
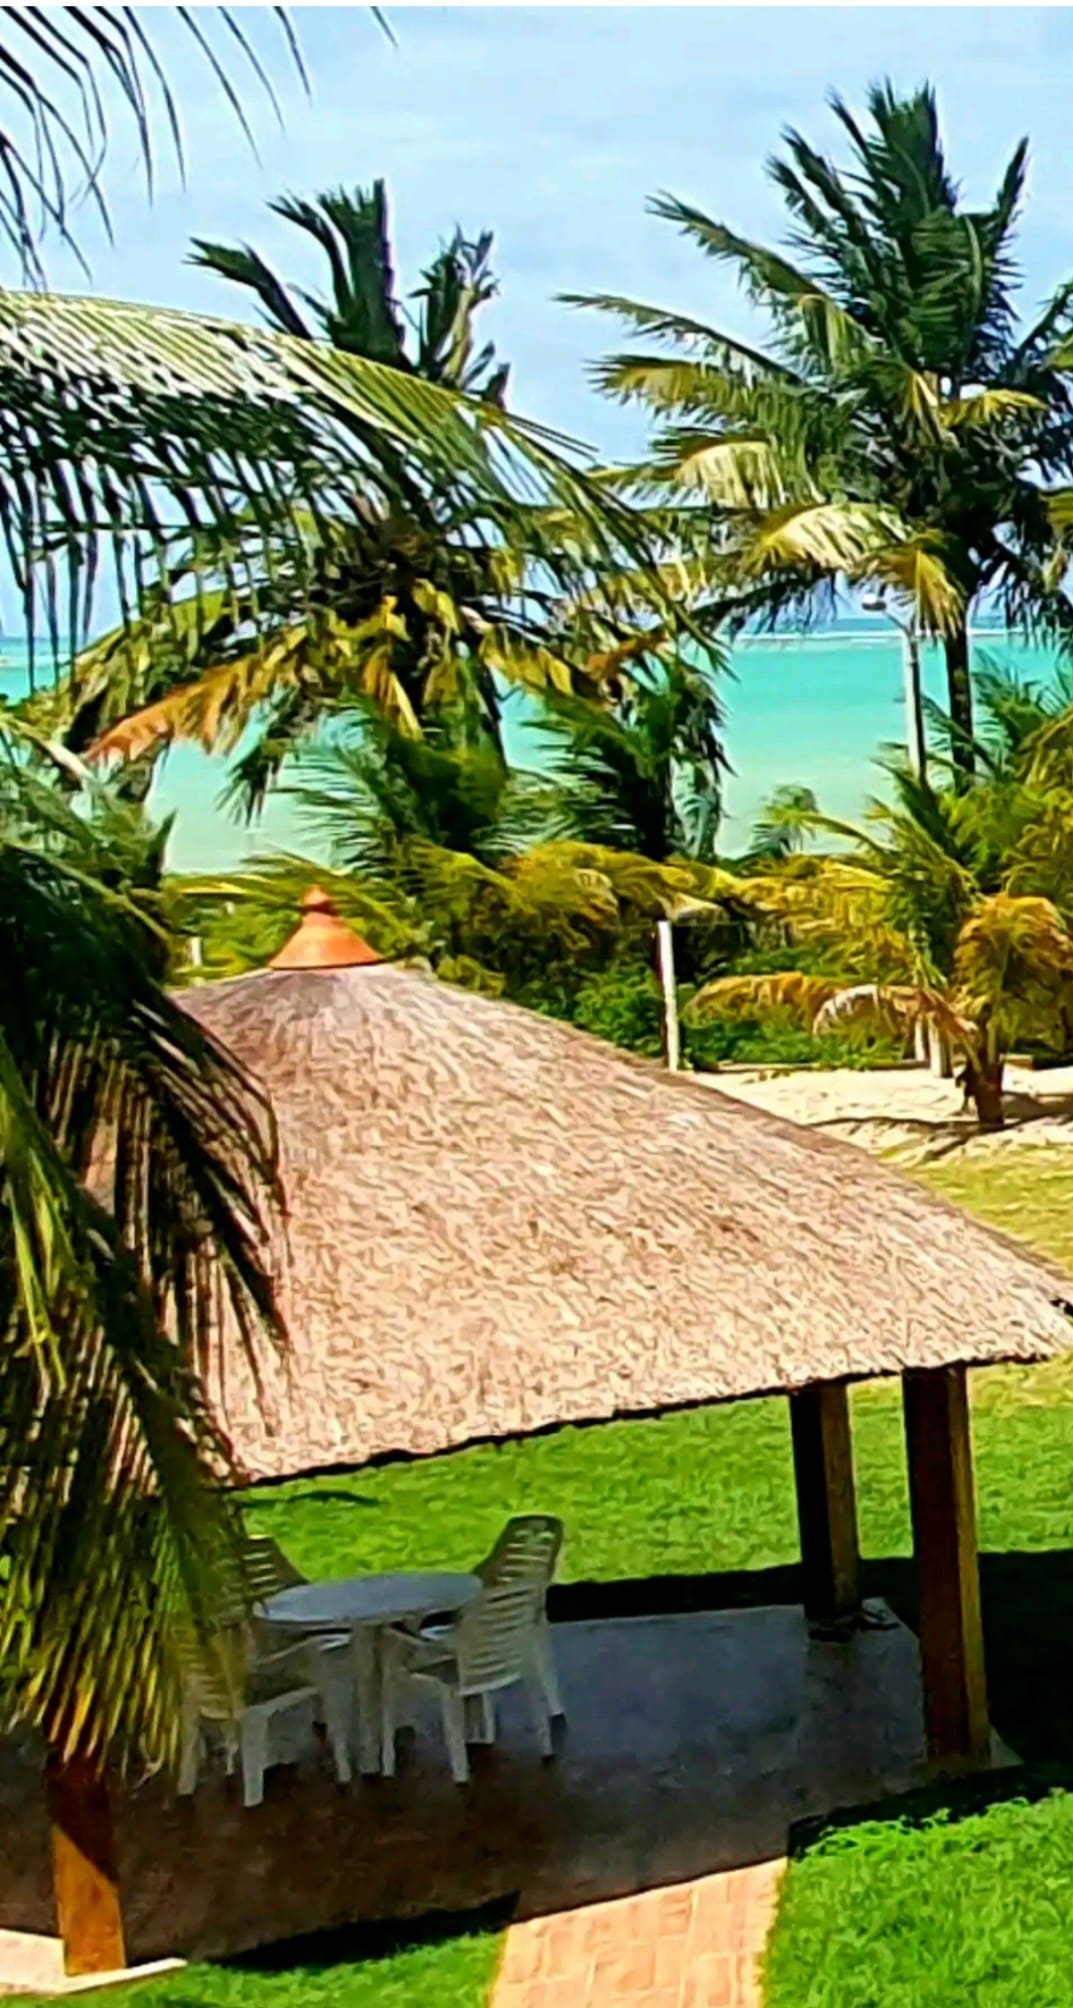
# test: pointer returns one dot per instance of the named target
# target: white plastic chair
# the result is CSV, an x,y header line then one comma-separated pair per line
x,y
492,1646
266,1571
252,1697
526,1553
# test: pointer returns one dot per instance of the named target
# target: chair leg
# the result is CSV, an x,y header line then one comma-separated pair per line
x,y
538,1708
190,1753
549,1672
254,1744
453,1710
480,1715
389,1685
333,1705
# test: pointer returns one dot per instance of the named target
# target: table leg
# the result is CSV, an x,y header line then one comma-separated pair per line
x,y
364,1644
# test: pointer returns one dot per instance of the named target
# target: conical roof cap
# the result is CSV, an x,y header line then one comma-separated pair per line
x,y
322,940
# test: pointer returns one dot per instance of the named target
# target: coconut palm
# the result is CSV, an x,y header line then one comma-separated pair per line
x,y
411,595
443,828
782,827
137,1171
899,427
136,1162
54,128
646,774
363,316
949,910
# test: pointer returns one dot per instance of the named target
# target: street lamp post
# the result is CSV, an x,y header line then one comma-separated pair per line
x,y
930,1046
914,701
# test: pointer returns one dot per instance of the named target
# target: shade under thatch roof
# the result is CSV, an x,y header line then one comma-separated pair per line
x,y
498,1223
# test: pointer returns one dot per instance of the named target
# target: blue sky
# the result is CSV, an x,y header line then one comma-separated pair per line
x,y
553,126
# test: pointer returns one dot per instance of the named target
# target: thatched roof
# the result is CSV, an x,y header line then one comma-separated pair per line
x,y
498,1223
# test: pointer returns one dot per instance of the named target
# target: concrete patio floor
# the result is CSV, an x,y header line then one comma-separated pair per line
x,y
692,1744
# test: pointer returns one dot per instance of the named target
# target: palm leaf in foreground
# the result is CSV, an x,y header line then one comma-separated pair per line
x,y
122,424
54,117
138,1183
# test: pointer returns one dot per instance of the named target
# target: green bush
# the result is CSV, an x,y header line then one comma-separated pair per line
x,y
623,1006
775,1038
620,1004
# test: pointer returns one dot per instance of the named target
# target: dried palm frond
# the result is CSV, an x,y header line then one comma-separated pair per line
x,y
791,991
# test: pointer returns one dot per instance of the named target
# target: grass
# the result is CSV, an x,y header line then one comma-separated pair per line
x,y
935,1914
886,1915
440,1965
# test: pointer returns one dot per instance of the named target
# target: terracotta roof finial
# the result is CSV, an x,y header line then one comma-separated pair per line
x,y
323,941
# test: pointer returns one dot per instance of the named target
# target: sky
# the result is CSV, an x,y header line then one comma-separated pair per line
x,y
554,127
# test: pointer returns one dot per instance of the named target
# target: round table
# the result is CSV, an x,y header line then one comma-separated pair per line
x,y
363,1606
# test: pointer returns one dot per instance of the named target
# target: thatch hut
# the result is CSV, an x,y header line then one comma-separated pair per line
x,y
497,1224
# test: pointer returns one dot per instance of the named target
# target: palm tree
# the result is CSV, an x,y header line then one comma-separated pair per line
x,y
443,831
646,774
950,909
899,428
137,1163
783,825
137,1172
54,129
412,595
363,316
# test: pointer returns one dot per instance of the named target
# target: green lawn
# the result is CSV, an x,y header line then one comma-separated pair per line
x,y
711,1491
339,1970
944,1914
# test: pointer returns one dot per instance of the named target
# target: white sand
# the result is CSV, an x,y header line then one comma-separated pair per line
x,y
908,1110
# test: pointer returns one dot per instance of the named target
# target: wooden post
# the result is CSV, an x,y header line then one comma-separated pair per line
x,y
826,1504
672,1038
944,1541
84,1870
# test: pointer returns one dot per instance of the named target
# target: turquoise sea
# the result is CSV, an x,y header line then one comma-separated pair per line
x,y
811,709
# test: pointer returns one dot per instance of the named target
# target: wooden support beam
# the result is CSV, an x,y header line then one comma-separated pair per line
x,y
84,1868
826,1502
944,1541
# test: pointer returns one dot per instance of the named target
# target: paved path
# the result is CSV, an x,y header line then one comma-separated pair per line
x,y
694,1945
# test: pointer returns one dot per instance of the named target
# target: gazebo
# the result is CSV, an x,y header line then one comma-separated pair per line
x,y
498,1224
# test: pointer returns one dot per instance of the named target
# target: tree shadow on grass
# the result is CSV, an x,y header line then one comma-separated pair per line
x,y
365,1944
264,1501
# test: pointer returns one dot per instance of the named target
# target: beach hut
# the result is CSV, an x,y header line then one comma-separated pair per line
x,y
498,1224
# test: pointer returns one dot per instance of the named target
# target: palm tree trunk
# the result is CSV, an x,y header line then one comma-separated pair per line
x,y
983,1085
84,1867
959,703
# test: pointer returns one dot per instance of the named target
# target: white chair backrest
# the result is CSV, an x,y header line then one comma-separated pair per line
x,y
493,1639
525,1553
266,1569
216,1671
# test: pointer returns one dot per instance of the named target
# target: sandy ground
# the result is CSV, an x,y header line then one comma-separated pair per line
x,y
908,1110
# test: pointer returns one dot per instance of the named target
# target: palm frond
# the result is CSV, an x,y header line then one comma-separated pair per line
x,y
790,991
121,424
138,1174
54,132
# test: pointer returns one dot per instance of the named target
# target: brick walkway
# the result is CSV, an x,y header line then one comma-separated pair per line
x,y
695,1945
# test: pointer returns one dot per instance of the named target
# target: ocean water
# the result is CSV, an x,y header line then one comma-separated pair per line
x,y
810,709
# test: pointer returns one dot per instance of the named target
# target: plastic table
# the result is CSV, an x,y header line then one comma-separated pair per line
x,y
363,1606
